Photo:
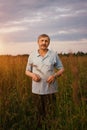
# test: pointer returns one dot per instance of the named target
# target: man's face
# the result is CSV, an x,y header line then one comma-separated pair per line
x,y
43,43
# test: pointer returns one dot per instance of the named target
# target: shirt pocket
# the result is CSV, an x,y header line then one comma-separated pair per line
x,y
49,67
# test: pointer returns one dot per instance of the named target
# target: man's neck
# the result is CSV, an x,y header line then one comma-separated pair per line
x,y
42,52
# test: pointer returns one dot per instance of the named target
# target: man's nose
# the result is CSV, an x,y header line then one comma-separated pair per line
x,y
44,41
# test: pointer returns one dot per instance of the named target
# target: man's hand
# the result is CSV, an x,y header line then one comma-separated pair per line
x,y
51,79
36,77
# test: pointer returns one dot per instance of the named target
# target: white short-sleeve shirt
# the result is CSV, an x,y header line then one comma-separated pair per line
x,y
44,67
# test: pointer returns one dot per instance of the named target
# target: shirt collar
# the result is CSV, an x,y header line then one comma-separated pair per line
x,y
37,54
47,54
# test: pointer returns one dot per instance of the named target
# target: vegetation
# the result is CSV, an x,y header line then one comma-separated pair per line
x,y
17,108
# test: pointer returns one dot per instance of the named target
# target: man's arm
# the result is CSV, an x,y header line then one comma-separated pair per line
x,y
57,74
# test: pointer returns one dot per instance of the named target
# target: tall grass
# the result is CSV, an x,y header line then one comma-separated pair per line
x,y
17,108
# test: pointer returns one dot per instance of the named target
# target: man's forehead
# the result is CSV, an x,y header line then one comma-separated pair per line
x,y
43,38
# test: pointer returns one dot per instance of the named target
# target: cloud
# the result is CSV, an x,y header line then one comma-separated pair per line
x,y
23,20
11,29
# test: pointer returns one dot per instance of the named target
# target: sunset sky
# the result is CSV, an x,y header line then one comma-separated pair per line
x,y
21,21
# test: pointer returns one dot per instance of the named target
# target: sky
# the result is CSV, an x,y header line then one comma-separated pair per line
x,y
22,21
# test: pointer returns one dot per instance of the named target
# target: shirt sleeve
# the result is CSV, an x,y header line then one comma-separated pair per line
x,y
29,63
58,62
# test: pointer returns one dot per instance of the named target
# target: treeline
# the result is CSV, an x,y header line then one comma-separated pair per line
x,y
79,53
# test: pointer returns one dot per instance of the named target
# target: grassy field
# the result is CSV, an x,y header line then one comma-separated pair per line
x,y
17,109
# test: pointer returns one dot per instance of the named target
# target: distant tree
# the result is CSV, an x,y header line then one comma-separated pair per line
x,y
80,53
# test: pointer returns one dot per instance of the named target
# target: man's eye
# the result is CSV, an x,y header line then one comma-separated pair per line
x,y
44,41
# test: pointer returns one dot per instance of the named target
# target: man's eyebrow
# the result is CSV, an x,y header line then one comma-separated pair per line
x,y
43,40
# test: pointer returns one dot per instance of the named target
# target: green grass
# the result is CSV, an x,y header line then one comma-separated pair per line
x,y
17,108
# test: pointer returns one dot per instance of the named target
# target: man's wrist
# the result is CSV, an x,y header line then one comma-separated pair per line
x,y
55,75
